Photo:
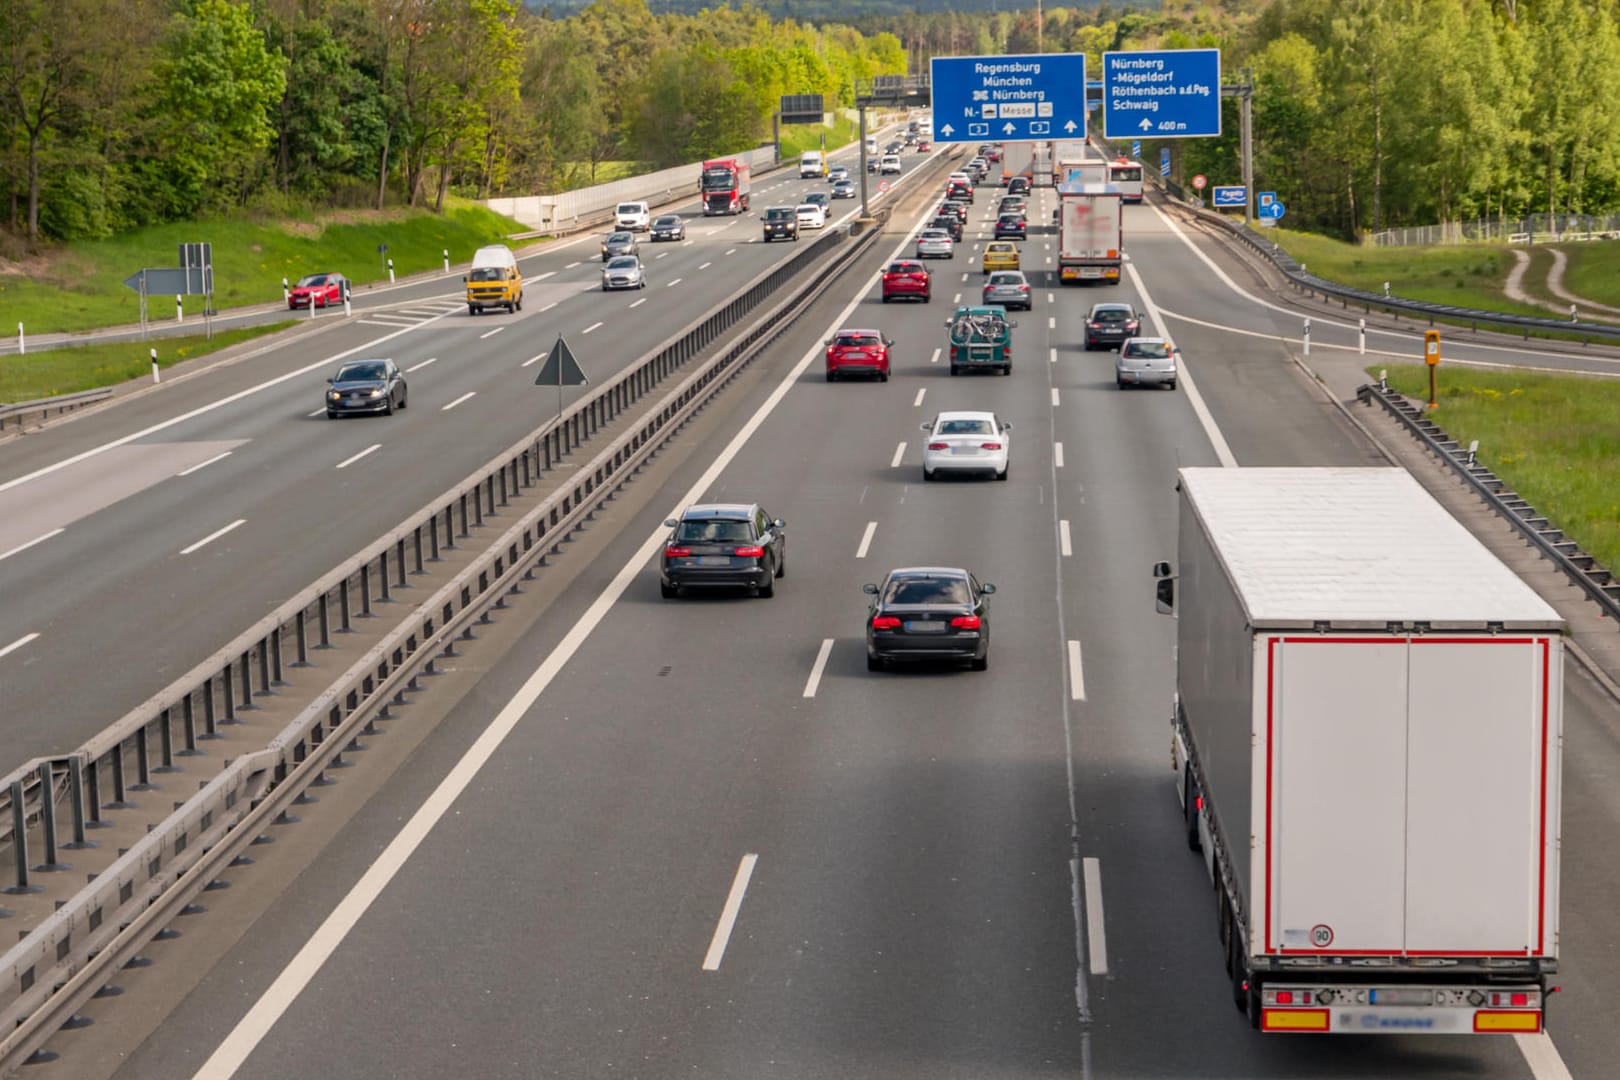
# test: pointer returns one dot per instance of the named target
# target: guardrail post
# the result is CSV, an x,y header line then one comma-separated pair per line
x,y
383,584
399,564
450,525
365,591
228,690
47,819
120,799
247,681
325,623
81,839
210,718
346,624
188,720
92,797
276,673
143,763
19,834
166,742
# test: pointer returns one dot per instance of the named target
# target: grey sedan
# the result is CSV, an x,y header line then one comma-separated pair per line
x,y
935,244
1009,288
619,243
365,386
843,189
623,272
1146,361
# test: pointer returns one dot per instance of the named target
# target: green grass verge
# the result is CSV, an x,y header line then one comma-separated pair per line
x,y
1594,271
1466,275
81,286
798,138
1554,438
71,369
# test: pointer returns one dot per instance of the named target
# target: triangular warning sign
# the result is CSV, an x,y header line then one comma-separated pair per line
x,y
560,368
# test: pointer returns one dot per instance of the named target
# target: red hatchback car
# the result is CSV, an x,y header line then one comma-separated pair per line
x,y
907,277
858,352
317,290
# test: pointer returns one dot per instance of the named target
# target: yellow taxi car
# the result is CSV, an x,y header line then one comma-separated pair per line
x,y
1000,255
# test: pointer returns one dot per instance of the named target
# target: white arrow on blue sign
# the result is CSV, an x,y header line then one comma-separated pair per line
x,y
1230,195
1273,210
1018,97
1165,94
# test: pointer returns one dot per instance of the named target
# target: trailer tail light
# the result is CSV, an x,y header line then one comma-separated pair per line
x,y
966,622
885,622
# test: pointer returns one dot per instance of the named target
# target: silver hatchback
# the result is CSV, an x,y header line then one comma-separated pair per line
x,y
1009,288
623,272
935,244
1146,361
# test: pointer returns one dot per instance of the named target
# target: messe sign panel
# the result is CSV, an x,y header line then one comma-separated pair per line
x,y
1167,94
1008,98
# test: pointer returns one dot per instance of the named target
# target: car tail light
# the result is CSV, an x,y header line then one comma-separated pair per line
x,y
1023,288
990,446
1096,326
966,622
678,552
885,622
939,446
753,551
1131,325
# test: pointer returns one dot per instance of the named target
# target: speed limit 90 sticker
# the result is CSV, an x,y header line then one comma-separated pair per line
x,y
1321,935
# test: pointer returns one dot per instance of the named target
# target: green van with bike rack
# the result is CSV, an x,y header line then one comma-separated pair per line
x,y
981,339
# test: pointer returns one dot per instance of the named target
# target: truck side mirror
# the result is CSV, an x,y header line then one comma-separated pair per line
x,y
1164,589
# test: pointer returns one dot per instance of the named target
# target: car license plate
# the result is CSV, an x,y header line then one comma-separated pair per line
x,y
924,626
714,560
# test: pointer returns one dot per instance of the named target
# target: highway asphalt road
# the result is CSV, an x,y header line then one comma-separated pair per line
x,y
206,503
712,844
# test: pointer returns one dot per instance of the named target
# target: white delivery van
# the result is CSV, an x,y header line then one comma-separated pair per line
x,y
633,216
812,163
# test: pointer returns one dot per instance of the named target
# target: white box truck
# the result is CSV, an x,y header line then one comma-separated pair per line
x,y
1091,233
1017,159
1366,741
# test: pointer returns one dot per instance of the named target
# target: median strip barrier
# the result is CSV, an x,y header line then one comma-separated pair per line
x,y
43,407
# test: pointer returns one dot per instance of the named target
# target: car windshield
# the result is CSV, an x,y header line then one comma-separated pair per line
x,y
910,590
1112,315
1148,350
717,180
667,220
965,427
714,531
777,214
1007,278
485,273
311,279
623,262
619,238
369,371
857,338
630,208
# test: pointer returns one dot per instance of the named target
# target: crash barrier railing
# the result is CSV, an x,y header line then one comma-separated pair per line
x,y
17,414
1581,568
1528,229
74,951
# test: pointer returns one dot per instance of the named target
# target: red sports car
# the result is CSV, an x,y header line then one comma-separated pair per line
x,y
858,352
907,277
318,290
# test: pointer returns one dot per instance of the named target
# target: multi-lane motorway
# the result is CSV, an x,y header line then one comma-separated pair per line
x,y
710,842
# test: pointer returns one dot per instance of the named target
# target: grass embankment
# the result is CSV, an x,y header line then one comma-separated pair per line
x,y
798,138
80,286
1470,275
1594,271
1554,438
88,367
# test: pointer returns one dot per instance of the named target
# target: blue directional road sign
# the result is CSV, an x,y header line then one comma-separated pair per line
x,y
1008,98
1164,161
1232,195
1273,210
1168,94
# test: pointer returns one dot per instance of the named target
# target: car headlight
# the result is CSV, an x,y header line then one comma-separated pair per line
x,y
333,395
377,392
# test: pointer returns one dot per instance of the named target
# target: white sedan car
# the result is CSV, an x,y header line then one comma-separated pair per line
x,y
811,216
966,442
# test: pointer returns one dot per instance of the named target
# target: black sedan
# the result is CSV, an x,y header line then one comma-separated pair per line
x,y
1011,226
365,386
668,227
928,613
728,545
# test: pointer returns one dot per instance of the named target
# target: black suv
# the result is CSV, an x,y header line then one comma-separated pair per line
x,y
736,545
781,222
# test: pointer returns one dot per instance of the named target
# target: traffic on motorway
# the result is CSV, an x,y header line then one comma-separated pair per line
x,y
837,852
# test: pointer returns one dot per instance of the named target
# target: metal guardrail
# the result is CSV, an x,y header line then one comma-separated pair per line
x,y
1581,568
1289,267
63,961
45,406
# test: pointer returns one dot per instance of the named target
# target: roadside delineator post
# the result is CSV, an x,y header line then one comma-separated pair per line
x,y
1307,337
286,291
390,271
1431,356
1361,346
179,309
22,341
447,260
155,377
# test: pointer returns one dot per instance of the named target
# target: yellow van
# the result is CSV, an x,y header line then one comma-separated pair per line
x,y
494,280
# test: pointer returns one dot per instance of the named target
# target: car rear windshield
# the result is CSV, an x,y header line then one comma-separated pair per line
x,y
965,427
1006,277
1011,219
1112,315
927,591
714,531
1148,350
857,339
934,234
904,267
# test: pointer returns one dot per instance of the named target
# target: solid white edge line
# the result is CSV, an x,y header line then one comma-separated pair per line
x,y
1096,939
211,537
814,681
458,401
425,363
372,449
19,643
1184,378
866,537
1065,545
249,1031
490,333
201,410
198,466
1077,674
919,399
59,532
728,916
1057,455
899,452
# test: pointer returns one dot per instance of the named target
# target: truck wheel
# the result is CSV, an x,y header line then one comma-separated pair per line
x,y
472,309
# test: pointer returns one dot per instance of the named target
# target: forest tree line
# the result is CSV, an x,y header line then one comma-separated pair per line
x,y
1368,114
